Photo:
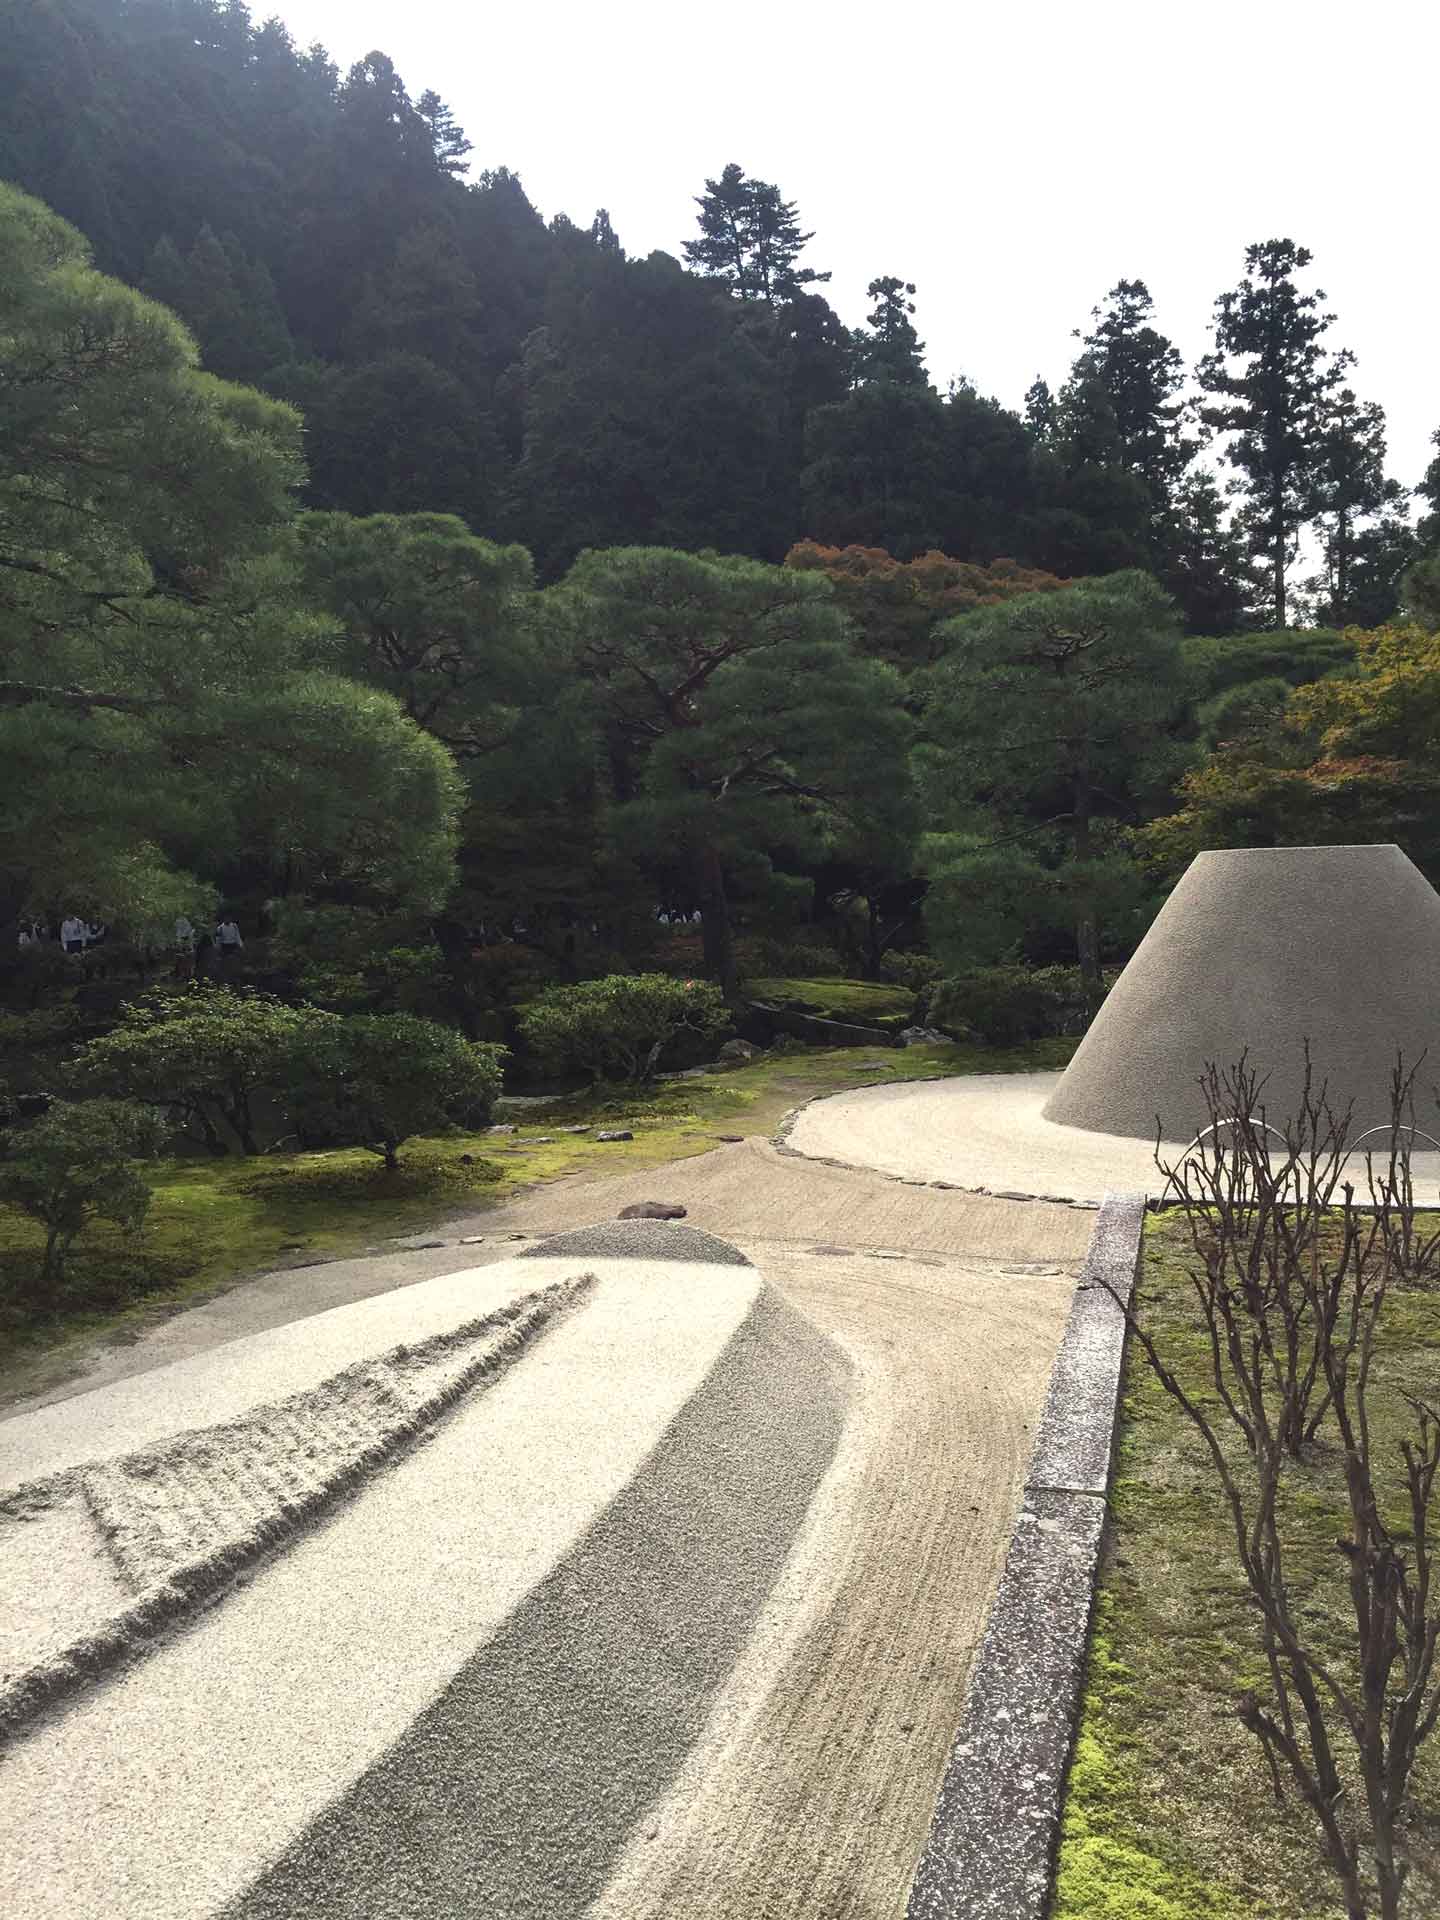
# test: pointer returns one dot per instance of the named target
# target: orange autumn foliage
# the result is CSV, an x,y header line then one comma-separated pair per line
x,y
898,604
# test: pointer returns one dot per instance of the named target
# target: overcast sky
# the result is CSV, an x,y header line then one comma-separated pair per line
x,y
1013,159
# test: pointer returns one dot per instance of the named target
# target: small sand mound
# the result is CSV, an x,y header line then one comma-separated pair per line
x,y
638,1240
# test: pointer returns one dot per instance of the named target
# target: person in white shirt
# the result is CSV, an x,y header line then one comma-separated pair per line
x,y
72,934
184,948
227,939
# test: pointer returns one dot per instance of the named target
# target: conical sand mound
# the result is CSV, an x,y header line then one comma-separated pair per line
x,y
1261,949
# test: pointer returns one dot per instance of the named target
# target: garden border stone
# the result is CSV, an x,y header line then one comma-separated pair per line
x,y
990,1851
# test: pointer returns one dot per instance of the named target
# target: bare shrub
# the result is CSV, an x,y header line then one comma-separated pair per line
x,y
1292,1275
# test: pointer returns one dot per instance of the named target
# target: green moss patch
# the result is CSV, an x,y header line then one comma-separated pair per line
x,y
1170,1813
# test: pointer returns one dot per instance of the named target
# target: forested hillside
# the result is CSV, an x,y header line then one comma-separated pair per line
x,y
338,240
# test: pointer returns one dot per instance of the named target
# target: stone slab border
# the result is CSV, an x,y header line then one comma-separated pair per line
x,y
990,1851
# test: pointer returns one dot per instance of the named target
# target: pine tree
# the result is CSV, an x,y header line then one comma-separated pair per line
x,y
447,137
750,238
1141,374
1040,409
891,350
1363,516
1272,402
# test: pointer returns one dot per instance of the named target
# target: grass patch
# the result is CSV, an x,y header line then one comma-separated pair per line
x,y
213,1223
1169,1811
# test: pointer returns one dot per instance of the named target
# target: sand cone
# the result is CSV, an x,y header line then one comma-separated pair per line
x,y
1260,949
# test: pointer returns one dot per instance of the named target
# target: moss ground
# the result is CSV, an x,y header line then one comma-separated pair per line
x,y
213,1222
1170,1814
866,1002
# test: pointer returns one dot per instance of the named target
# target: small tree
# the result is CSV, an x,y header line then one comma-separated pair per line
x,y
381,1078
1292,1290
202,1054
75,1164
617,1028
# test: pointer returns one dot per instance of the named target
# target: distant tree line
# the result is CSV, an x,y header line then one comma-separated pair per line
x,y
322,237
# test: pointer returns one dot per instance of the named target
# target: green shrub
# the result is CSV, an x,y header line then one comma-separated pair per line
x,y
795,959
1005,1006
619,1027
75,1164
25,1032
914,970
378,1079
203,1053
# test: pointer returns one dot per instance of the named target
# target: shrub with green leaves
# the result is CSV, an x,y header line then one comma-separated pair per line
x,y
378,1079
618,1028
79,1162
1006,1006
203,1054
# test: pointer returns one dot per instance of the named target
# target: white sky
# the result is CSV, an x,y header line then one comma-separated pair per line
x,y
1013,159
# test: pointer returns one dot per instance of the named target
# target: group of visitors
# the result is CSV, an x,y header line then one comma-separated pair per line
x,y
75,934
194,949
198,948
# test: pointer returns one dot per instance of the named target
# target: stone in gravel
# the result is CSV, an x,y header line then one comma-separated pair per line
x,y
615,1133
843,1251
652,1210
471,1239
408,1245
730,1139
1008,1193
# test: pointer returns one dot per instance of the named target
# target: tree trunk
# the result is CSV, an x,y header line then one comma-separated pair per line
x,y
716,933
1340,612
1277,532
1087,937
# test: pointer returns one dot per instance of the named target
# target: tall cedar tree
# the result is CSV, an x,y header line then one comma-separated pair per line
x,y
1364,518
1271,380
750,238
1142,374
891,350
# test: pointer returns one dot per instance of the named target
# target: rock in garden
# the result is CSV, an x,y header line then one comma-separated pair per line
x,y
924,1037
651,1210
502,1129
730,1139
581,1129
735,1053
615,1133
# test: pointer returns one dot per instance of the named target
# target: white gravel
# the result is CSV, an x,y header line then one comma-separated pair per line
x,y
166,1790
986,1133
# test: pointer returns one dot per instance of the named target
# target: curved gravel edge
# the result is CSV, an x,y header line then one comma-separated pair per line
x,y
991,1846
780,1140
194,1582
